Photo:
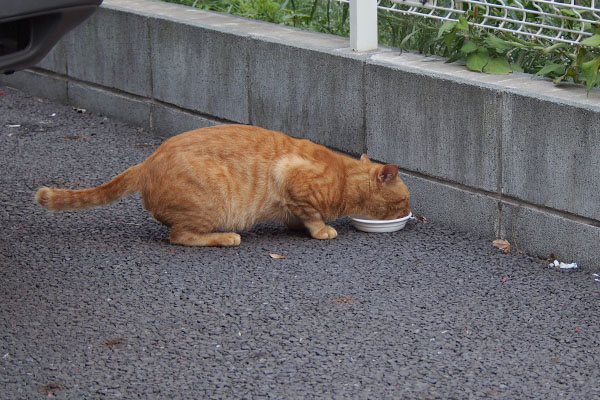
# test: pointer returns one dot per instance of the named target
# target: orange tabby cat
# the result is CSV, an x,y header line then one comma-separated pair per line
x,y
208,183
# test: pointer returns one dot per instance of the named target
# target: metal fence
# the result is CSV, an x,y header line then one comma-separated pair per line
x,y
568,21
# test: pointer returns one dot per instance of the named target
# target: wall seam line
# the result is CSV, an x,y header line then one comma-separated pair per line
x,y
506,200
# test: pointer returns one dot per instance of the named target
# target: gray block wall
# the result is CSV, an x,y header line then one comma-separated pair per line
x,y
499,156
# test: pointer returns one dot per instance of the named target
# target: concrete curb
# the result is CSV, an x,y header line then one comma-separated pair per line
x,y
500,156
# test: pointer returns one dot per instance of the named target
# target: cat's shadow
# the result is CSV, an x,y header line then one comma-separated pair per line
x,y
280,232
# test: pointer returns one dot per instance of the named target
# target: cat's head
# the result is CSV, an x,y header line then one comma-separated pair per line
x,y
389,197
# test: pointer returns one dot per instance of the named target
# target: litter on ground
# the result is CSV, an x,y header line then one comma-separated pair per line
x,y
562,265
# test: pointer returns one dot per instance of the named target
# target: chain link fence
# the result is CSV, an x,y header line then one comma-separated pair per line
x,y
561,21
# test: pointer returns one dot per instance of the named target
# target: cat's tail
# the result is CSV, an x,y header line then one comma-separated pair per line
x,y
68,199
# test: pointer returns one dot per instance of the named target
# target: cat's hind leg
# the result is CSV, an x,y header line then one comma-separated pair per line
x,y
188,228
189,237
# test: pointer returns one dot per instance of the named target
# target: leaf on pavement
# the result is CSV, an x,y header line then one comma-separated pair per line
x,y
502,245
51,389
344,300
115,342
276,256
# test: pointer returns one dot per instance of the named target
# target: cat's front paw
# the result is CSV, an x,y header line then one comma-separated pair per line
x,y
231,239
327,232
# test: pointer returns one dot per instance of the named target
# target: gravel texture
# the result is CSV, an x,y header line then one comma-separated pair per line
x,y
98,304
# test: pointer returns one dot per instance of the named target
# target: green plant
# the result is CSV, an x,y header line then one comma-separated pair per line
x,y
483,50
501,53
328,16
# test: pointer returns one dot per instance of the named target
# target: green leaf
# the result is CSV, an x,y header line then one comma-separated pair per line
x,y
478,59
449,39
407,38
446,27
593,41
555,47
558,80
516,67
568,72
455,57
590,71
501,46
469,47
462,24
551,68
519,42
497,65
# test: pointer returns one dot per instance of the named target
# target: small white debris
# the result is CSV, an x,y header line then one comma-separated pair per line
x,y
53,115
5,356
13,126
563,266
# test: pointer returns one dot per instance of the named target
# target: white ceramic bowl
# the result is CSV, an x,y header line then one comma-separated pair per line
x,y
380,225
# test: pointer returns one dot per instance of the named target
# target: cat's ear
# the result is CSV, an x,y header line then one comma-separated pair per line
x,y
387,173
365,158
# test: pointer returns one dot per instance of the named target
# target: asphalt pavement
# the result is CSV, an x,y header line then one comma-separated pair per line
x,y
97,304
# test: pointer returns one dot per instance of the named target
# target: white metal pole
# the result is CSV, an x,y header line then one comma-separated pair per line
x,y
363,25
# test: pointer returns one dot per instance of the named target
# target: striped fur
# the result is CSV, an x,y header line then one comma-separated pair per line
x,y
209,183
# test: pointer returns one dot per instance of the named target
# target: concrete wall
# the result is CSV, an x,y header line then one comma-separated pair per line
x,y
500,156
